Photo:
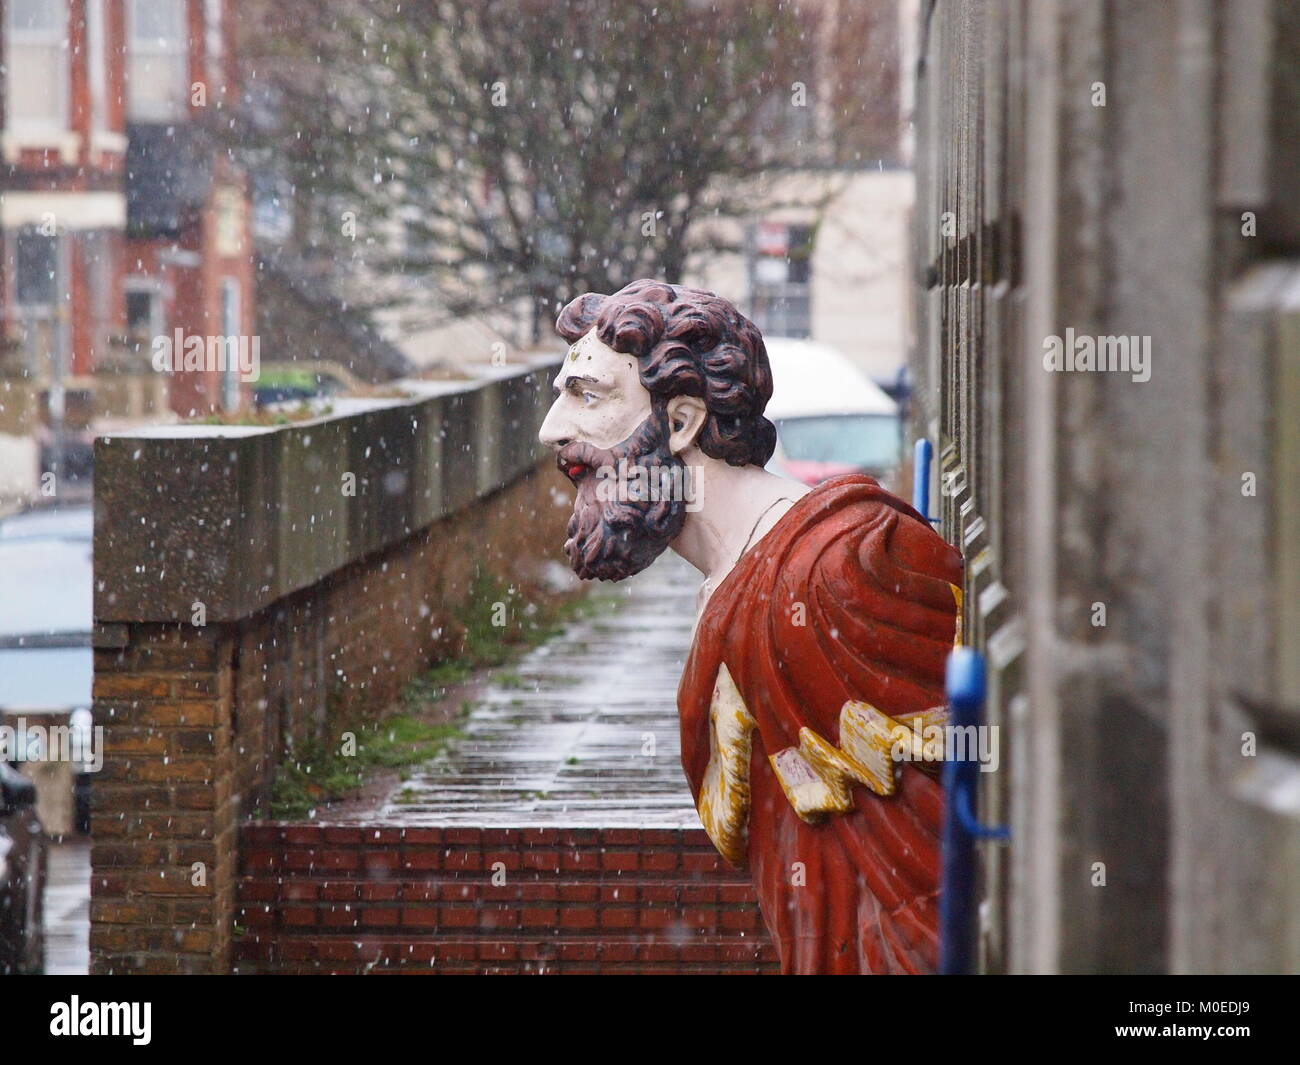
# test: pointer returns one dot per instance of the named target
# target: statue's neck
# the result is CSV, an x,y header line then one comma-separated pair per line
x,y
737,506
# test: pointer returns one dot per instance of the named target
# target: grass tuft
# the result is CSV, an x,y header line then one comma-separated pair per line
x,y
314,775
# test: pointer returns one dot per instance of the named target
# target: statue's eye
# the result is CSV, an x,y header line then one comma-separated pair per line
x,y
588,398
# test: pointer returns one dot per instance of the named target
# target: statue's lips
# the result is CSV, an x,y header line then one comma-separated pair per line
x,y
574,471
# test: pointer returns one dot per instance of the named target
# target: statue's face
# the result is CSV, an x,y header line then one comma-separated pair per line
x,y
604,425
599,397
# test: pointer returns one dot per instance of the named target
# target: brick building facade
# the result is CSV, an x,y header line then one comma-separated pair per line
x,y
120,219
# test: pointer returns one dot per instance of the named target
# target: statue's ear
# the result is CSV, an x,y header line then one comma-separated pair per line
x,y
686,418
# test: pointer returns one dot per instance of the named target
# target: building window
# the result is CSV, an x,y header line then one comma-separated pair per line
x,y
36,58
38,279
231,329
98,65
214,47
157,86
228,206
143,314
780,279
98,259
36,271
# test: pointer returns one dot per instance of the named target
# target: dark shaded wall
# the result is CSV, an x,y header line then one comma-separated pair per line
x,y
1136,602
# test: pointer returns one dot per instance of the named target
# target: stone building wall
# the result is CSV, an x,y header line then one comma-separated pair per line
x,y
1122,170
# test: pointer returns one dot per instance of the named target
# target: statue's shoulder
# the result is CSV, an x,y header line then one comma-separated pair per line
x,y
848,505
858,493
850,527
845,533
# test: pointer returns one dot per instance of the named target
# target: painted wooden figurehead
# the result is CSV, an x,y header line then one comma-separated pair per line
x,y
826,617
658,409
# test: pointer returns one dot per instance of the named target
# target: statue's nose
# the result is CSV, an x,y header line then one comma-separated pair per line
x,y
553,433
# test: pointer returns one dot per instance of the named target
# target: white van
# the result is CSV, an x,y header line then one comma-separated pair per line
x,y
830,417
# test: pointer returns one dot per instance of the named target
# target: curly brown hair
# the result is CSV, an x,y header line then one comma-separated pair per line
x,y
688,342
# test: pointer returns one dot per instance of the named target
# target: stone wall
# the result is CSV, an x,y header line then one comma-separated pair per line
x,y
312,601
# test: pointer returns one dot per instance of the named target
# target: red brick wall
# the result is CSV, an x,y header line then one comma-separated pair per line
x,y
342,899
197,719
195,306
163,800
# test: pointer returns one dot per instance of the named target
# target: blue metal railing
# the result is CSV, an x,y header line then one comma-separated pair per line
x,y
923,457
965,684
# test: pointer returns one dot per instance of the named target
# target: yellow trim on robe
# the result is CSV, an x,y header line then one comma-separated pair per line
x,y
723,804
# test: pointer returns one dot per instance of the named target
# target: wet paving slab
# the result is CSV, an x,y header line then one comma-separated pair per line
x,y
67,908
581,732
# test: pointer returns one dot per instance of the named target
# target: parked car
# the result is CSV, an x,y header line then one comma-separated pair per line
x,y
286,382
830,417
46,610
23,863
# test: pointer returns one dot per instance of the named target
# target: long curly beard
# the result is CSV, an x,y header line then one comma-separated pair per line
x,y
610,539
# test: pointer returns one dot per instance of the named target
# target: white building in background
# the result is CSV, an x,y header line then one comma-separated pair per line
x,y
833,264
834,269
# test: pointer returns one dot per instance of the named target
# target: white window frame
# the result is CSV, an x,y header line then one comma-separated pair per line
x,y
152,287
97,65
214,47
38,131
137,47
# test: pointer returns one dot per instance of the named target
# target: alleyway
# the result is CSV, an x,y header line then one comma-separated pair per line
x,y
580,733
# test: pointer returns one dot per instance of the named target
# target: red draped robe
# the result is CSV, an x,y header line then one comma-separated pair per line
x,y
879,609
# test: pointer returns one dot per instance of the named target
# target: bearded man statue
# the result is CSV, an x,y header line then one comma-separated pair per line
x,y
826,616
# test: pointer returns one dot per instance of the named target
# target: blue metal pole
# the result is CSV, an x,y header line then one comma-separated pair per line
x,y
923,456
965,684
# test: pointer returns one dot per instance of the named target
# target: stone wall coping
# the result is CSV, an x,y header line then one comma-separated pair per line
x,y
236,517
